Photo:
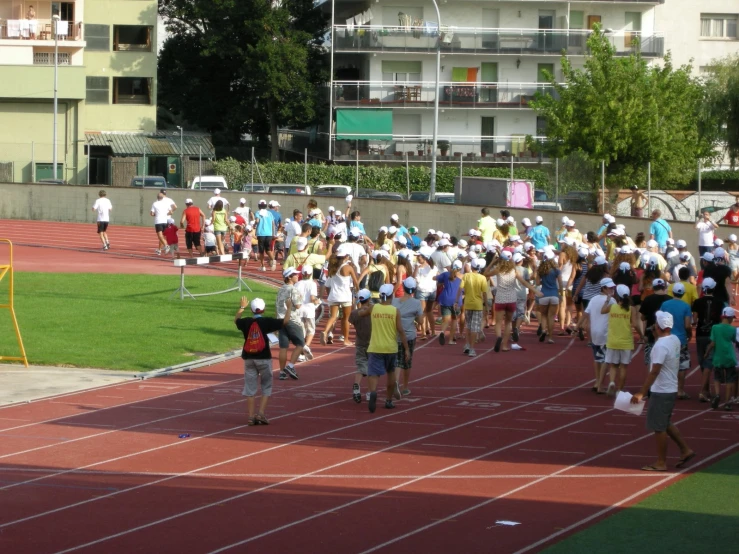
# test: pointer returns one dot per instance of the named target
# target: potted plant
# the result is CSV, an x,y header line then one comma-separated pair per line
x,y
443,145
421,147
458,154
483,154
532,145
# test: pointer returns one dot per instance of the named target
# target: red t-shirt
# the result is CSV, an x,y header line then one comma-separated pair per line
x,y
239,220
170,233
732,218
192,216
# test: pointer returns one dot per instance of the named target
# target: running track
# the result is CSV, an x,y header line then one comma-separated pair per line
x,y
511,436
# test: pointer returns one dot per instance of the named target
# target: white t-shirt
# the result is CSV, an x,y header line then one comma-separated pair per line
x,y
308,288
172,204
425,277
243,211
103,207
214,199
356,253
161,209
598,321
666,351
705,233
292,230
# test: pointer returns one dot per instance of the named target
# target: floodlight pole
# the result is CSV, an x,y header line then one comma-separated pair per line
x,y
432,186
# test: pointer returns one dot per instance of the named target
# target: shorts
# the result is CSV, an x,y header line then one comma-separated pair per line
x,y
220,233
474,320
309,325
380,364
192,238
102,226
160,227
174,247
447,311
701,344
264,244
257,370
659,410
724,375
684,358
210,249
425,296
291,333
361,360
599,353
618,357
349,304
508,308
636,299
549,301
237,248
520,309
400,361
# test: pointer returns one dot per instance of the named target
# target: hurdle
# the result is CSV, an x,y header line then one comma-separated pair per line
x,y
7,269
182,263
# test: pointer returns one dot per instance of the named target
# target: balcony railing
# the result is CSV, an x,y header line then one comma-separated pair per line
x,y
40,29
374,94
465,40
47,58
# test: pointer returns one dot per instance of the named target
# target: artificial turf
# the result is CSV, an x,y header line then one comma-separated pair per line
x,y
697,514
121,321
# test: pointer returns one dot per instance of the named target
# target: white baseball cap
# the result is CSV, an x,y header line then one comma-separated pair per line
x,y
570,223
456,264
651,243
728,312
170,221
392,229
517,257
718,242
383,229
623,290
600,260
479,263
664,319
364,295
387,290
528,246
499,222
401,240
217,191
262,202
565,219
354,232
410,283
680,243
301,243
607,282
526,221
625,266
707,256
539,219
242,200
670,241
549,255
331,209
732,238
708,284
505,255
472,255
342,250
257,305
462,243
510,219
232,218
208,221
307,270
684,256
275,203
433,232
678,289
443,243
188,201
394,217
719,253
658,283
290,271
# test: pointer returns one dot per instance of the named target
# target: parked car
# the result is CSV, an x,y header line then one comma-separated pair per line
x,y
332,190
209,182
580,201
441,197
250,187
289,189
150,181
551,206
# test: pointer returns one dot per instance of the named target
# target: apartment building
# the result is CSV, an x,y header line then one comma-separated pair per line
x,y
106,86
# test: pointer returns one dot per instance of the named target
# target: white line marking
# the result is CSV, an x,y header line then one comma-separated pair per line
x,y
262,435
706,438
647,455
355,440
622,424
450,445
84,425
116,397
175,430
80,403
552,451
13,419
506,428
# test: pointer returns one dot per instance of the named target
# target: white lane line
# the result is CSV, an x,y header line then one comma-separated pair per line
x,y
157,408
80,403
552,451
175,430
622,424
85,425
505,428
13,419
356,440
647,455
190,401
601,433
116,397
450,445
706,438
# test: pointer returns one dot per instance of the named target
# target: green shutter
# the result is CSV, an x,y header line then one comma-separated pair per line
x,y
401,67
577,19
364,124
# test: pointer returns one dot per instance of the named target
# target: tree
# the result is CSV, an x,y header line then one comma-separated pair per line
x,y
236,66
722,107
626,113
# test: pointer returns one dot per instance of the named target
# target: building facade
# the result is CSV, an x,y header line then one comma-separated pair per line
x,y
106,84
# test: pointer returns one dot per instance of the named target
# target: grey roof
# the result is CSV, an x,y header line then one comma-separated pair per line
x,y
158,144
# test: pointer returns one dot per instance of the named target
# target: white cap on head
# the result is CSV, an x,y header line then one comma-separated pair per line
x,y
500,222
549,255
331,209
426,251
539,219
570,223
517,257
526,221
583,252
670,241
392,229
728,311
479,263
625,266
444,243
664,319
257,305
402,240
342,250
505,255
208,221
565,219
289,272
274,203
242,200
707,256
456,264
719,253
262,202
433,232
217,191
170,221
462,243
301,242
383,229
659,283
609,218
708,283
446,236
600,260
607,282
394,217
385,248
364,295
732,238
387,290
307,270
651,243
718,242
528,246
680,243
188,201
678,289
472,255
354,231
410,283
510,219
622,291
516,238
684,256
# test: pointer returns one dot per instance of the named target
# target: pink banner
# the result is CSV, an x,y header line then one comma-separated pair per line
x,y
521,195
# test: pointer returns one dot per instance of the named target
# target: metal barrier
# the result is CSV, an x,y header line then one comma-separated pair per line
x,y
206,260
8,270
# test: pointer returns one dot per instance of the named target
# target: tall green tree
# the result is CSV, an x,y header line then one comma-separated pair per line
x,y
236,66
723,103
621,110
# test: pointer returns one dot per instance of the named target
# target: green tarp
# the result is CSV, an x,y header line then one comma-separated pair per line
x,y
364,124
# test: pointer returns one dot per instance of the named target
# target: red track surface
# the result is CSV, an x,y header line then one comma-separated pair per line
x,y
511,436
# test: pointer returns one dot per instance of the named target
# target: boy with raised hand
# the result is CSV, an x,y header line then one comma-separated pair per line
x,y
257,355
723,339
363,332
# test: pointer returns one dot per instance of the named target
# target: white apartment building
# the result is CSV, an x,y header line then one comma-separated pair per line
x,y
494,55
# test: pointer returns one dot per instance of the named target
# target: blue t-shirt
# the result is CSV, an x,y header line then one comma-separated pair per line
x,y
550,284
359,225
265,226
315,222
679,311
277,217
538,236
402,231
416,240
602,229
661,231
448,295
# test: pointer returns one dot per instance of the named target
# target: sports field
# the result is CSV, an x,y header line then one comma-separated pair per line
x,y
506,452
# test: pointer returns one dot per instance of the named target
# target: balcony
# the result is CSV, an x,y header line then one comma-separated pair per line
x,y
384,94
39,31
465,40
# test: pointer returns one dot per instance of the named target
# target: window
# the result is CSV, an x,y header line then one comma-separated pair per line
x,y
47,58
97,37
131,90
401,72
136,38
97,90
719,26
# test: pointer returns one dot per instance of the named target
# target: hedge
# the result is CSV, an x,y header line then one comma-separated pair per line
x,y
718,180
391,179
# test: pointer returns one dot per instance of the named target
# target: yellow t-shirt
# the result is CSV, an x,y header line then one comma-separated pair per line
x,y
473,284
691,292
384,330
620,336
486,226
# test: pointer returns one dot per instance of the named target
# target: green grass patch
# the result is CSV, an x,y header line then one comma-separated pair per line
x,y
121,321
697,514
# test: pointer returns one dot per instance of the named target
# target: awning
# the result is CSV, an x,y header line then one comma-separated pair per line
x,y
364,124
159,144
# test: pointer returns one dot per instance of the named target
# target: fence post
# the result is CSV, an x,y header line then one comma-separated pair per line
x,y
252,168
649,185
305,168
88,164
407,177
356,192
33,162
461,175
700,189
603,186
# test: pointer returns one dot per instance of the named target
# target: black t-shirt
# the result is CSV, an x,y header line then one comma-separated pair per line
x,y
649,307
708,309
719,273
266,325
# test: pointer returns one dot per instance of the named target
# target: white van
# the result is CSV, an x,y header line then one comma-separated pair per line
x,y
209,182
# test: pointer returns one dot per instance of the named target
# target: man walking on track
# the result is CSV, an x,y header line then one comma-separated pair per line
x,y
194,218
103,207
383,347
661,384
160,210
292,331
266,231
172,205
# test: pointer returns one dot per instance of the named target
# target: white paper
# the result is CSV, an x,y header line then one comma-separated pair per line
x,y
623,403
272,339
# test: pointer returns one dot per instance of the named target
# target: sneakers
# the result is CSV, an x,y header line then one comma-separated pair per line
x,y
466,349
406,392
330,339
498,342
516,346
389,405
356,395
611,389
307,353
107,244
283,376
471,353
301,358
166,249
105,247
442,339
367,396
539,331
158,252
372,402
714,402
396,392
290,370
262,268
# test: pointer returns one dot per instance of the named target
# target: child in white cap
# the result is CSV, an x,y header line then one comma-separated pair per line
x,y
620,343
170,235
723,341
363,332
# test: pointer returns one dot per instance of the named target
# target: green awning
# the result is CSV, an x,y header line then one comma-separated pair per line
x,y
364,124
158,144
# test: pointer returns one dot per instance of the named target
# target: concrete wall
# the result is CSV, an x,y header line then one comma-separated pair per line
x,y
131,207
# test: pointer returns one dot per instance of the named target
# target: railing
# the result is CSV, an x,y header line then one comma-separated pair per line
x,y
40,29
47,58
421,94
378,38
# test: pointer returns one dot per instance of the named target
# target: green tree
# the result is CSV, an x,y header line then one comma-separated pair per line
x,y
235,66
626,113
722,107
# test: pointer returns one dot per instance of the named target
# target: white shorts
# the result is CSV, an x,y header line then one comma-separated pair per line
x,y
618,357
549,301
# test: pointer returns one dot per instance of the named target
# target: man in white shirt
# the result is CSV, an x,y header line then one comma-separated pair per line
x,y
293,228
243,210
216,198
662,385
103,207
599,329
172,205
161,210
356,251
706,231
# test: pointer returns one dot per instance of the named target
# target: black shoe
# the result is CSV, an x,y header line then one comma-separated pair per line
x,y
389,405
283,376
330,339
714,402
514,335
498,342
372,402
356,394
290,370
539,331
442,339
542,337
581,334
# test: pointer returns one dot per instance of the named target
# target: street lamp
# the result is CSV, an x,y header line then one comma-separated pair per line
x,y
55,23
182,160
432,187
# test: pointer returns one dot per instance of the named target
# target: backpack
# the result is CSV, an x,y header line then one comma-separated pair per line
x,y
708,318
376,280
254,342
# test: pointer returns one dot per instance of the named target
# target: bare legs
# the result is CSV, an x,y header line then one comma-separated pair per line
x,y
661,438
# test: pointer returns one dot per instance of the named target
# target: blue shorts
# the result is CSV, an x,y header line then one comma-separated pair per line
x,y
380,364
425,296
449,311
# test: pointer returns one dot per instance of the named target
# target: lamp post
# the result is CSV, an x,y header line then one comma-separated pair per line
x,y
432,186
55,23
182,160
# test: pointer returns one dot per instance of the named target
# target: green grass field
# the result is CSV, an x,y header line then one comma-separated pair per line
x,y
697,514
121,321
